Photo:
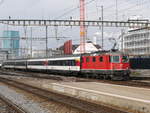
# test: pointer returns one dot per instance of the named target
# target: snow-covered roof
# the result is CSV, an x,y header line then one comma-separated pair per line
x,y
89,47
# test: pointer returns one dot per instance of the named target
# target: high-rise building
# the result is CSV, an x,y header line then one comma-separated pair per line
x,y
11,42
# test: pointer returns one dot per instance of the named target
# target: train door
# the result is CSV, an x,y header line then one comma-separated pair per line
x,y
81,62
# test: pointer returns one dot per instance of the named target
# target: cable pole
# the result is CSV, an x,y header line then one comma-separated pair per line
x,y
46,41
31,42
56,32
122,36
102,28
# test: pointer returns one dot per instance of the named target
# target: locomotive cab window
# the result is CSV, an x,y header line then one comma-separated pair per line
x,y
125,59
115,59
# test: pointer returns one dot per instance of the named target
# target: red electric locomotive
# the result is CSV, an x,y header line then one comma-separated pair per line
x,y
114,65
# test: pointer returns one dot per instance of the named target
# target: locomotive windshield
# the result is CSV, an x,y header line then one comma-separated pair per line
x,y
115,59
125,59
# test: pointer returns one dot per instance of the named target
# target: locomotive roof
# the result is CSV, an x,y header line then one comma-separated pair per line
x,y
78,55
106,53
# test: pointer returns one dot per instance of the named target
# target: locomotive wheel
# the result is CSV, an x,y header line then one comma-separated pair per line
x,y
127,77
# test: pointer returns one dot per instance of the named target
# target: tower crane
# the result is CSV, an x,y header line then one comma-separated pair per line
x,y
82,27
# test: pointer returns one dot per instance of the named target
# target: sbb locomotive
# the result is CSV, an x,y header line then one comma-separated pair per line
x,y
113,65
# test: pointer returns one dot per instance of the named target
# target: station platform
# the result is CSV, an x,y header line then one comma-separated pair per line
x,y
141,73
131,99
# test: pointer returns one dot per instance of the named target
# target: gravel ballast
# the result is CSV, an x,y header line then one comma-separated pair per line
x,y
21,100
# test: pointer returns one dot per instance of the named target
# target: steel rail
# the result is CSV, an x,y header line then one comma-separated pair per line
x,y
74,102
12,105
134,81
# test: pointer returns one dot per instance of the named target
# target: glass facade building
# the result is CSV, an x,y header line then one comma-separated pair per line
x,y
11,42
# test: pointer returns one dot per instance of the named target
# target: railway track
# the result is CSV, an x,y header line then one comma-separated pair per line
x,y
11,107
135,82
86,106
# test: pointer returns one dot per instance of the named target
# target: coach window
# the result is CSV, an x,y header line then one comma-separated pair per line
x,y
71,63
49,63
94,59
56,63
66,63
87,59
63,63
60,63
101,59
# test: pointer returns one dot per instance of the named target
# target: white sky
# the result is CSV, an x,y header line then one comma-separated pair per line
x,y
52,9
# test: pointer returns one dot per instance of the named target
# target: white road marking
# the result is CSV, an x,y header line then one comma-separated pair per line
x,y
103,93
106,84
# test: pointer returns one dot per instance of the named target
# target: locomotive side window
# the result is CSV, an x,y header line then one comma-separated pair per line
x,y
94,59
87,59
125,59
115,59
101,59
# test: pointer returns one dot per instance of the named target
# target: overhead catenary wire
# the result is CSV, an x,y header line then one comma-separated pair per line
x,y
126,9
73,9
120,5
106,8
29,38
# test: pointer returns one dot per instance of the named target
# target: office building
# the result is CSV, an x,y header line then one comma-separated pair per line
x,y
11,42
137,42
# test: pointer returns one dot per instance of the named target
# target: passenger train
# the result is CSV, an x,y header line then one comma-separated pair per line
x,y
113,65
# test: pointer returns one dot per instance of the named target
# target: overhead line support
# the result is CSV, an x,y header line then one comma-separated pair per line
x,y
74,23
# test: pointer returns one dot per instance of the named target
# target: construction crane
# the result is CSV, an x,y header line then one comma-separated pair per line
x,y
82,26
